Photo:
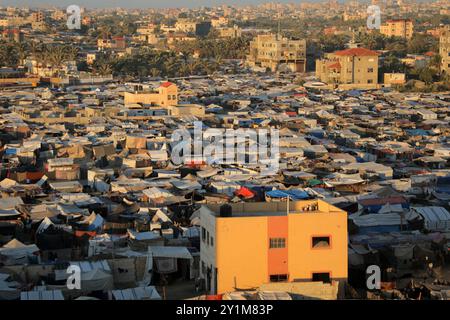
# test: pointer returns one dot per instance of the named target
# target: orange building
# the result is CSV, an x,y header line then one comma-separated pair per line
x,y
245,245
402,28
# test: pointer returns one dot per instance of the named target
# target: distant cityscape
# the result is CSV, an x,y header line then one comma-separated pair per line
x,y
250,151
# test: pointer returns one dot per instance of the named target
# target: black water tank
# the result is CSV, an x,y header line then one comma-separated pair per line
x,y
226,211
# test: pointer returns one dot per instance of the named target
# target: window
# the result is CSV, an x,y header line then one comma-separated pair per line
x,y
321,242
277,243
203,234
278,277
321,276
207,237
370,70
212,241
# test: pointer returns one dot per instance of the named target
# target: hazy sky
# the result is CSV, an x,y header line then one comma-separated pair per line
x,y
134,3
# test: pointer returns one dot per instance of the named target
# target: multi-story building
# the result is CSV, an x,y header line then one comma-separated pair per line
x,y
231,32
201,28
12,35
219,22
185,25
444,49
167,95
118,43
356,67
245,245
272,51
37,17
402,28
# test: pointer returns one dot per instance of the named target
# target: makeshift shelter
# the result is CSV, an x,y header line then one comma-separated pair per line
x,y
138,293
42,295
244,193
9,290
284,194
165,258
435,218
15,252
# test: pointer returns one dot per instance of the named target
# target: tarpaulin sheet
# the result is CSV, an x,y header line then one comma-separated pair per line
x,y
293,194
166,265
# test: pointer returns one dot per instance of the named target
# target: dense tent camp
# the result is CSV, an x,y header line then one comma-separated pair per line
x,y
196,154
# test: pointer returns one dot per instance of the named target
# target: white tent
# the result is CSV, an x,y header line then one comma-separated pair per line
x,y
42,295
154,193
142,236
170,252
17,253
436,218
138,293
8,289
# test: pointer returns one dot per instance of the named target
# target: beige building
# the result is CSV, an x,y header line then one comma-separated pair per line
x,y
37,17
185,25
394,78
167,95
232,32
219,22
355,67
112,43
402,28
444,49
276,53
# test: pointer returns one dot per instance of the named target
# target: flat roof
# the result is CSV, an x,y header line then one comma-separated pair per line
x,y
258,209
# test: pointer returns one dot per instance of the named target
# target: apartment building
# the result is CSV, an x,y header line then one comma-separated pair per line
x,y
12,35
231,32
355,67
245,245
112,43
201,28
166,95
444,49
276,53
402,28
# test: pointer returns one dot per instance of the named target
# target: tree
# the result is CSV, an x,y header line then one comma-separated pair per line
x,y
426,75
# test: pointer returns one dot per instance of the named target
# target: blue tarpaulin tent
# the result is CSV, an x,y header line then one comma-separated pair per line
x,y
417,132
354,93
293,194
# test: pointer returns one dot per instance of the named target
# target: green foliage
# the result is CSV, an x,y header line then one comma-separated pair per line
x,y
153,63
233,48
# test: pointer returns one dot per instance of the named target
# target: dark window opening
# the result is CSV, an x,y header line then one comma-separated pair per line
x,y
203,234
323,276
321,242
278,277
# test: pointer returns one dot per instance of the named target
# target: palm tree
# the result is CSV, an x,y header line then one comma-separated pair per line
x,y
56,56
71,53
105,31
155,72
193,66
22,52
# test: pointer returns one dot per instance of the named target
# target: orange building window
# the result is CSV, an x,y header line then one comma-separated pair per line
x,y
278,277
321,242
277,243
321,276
